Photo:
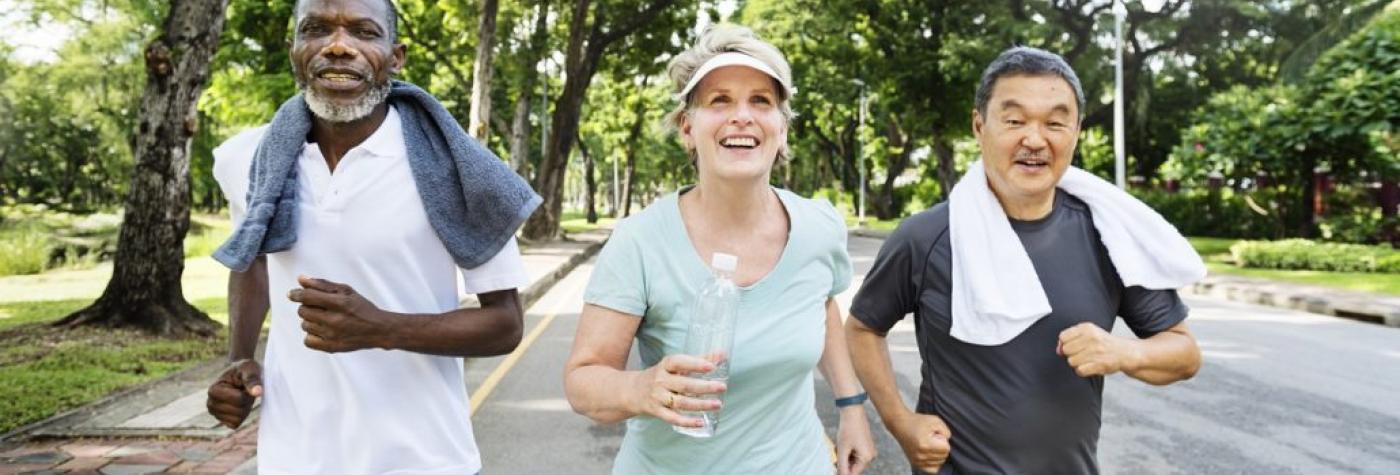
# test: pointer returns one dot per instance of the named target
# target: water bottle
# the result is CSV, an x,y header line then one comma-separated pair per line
x,y
711,334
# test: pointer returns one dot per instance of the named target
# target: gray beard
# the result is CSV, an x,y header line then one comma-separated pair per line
x,y
339,114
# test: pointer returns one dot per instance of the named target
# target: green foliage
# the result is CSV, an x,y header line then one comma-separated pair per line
x,y
24,249
1355,226
1352,216
1210,247
615,105
1344,118
68,123
34,238
1310,255
1355,92
1224,213
1242,131
1096,152
206,235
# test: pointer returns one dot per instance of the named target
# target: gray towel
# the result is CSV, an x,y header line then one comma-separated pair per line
x,y
473,200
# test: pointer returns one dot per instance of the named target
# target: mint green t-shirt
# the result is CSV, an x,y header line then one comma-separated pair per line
x,y
769,423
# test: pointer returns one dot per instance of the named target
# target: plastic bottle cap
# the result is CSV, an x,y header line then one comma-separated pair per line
x,y
724,262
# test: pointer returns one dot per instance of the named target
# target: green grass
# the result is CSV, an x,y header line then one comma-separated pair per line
x,y
206,234
34,238
1357,281
46,370
1216,252
873,224
24,249
575,222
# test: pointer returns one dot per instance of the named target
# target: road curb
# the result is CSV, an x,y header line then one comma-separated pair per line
x,y
1351,305
540,287
1338,303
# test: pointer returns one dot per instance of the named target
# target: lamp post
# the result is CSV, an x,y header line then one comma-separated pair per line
x,y
860,156
1119,154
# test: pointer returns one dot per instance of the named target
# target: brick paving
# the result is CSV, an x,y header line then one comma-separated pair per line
x,y
131,456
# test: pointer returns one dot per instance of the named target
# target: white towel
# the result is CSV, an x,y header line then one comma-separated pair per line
x,y
996,292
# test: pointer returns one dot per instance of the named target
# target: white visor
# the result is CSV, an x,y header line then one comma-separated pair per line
x,y
733,59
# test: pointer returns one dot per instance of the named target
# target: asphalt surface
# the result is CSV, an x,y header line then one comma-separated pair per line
x,y
1281,391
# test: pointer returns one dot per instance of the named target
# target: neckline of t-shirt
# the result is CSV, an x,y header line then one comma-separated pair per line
x,y
678,226
1042,222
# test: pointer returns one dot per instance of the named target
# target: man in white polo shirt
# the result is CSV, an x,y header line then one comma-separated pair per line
x,y
363,369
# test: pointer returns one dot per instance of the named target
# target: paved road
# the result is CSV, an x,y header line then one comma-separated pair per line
x,y
1281,392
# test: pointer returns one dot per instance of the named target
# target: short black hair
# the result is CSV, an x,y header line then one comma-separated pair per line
x,y
1025,60
391,19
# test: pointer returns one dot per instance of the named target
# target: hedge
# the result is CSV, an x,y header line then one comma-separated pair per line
x,y
1302,254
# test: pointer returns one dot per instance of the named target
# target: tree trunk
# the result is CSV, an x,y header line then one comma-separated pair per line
x,y
1312,199
520,125
145,290
590,184
884,202
630,174
947,168
630,154
479,125
549,181
580,63
520,136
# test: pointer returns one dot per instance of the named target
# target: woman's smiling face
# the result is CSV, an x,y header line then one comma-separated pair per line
x,y
735,126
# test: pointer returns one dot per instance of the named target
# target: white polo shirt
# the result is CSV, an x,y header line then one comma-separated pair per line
x,y
368,411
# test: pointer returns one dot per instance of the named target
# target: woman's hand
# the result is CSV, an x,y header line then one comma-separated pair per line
x,y
663,390
855,447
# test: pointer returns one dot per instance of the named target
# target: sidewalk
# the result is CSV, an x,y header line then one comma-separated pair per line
x,y
163,427
1364,306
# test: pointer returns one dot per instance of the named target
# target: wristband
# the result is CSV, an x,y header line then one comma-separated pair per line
x,y
852,400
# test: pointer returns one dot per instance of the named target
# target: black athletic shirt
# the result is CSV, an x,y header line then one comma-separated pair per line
x,y
1016,407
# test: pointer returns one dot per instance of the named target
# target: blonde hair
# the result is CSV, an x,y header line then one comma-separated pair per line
x,y
714,41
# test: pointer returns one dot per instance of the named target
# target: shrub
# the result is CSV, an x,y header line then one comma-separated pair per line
x,y
1355,227
24,250
1302,254
1223,213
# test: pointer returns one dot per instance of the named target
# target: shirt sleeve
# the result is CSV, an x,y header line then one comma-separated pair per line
x,y
231,162
505,270
840,258
1149,312
619,278
891,287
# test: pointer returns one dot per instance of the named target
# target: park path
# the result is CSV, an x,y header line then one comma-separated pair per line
x,y
1281,391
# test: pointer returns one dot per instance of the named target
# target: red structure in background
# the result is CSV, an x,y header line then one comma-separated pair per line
x,y
1322,184
1390,200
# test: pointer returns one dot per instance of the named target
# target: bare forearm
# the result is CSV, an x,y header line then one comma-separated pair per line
x,y
494,329
835,363
595,391
247,309
1165,358
871,357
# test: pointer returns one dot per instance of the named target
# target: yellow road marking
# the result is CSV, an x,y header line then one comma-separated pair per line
x,y
479,396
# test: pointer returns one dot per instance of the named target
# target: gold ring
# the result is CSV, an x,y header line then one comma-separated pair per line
x,y
671,403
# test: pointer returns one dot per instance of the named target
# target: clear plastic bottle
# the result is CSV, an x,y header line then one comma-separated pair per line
x,y
711,335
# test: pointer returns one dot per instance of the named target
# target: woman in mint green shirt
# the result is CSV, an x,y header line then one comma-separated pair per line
x,y
733,120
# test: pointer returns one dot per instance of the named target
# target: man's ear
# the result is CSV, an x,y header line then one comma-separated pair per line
x,y
400,55
977,122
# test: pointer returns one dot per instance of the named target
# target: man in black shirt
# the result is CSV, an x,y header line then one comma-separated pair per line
x,y
1032,404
